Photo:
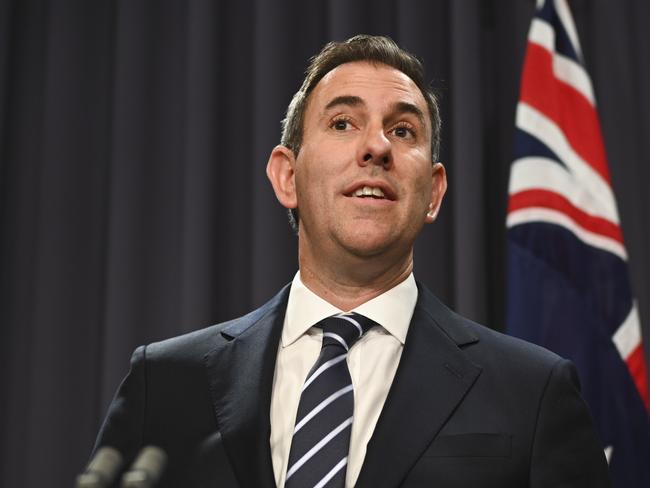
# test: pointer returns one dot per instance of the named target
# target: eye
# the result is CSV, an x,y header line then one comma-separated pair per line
x,y
403,131
341,124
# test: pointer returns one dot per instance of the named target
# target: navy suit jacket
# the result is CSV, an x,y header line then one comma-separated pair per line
x,y
469,407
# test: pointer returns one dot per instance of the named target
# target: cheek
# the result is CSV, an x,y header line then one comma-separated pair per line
x,y
425,191
318,176
419,187
311,186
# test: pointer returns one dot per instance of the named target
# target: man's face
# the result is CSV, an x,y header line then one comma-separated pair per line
x,y
364,180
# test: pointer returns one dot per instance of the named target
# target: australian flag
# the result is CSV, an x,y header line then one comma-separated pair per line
x,y
568,283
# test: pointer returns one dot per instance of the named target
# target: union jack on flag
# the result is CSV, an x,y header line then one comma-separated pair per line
x,y
568,283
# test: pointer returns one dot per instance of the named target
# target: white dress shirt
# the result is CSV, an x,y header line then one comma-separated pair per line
x,y
372,361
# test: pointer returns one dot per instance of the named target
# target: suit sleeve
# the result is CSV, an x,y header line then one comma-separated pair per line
x,y
124,422
566,451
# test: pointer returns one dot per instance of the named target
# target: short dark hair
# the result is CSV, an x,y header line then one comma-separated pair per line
x,y
375,49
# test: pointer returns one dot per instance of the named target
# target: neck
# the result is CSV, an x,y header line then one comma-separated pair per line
x,y
346,285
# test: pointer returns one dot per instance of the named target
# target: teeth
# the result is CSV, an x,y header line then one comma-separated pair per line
x,y
367,191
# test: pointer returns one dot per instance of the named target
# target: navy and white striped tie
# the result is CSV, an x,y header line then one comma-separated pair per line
x,y
321,437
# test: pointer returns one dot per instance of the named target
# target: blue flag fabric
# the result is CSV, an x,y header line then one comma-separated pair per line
x,y
568,283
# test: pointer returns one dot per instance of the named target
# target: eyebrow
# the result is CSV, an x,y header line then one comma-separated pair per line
x,y
350,100
409,108
399,107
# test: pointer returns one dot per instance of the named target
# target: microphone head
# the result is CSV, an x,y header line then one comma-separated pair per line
x,y
146,469
102,469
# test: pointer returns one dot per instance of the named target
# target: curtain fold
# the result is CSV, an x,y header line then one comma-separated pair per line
x,y
134,203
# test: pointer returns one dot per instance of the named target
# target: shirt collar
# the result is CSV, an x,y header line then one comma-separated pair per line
x,y
392,309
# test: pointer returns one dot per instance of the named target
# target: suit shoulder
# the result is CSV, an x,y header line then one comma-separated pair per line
x,y
484,344
513,346
516,361
524,367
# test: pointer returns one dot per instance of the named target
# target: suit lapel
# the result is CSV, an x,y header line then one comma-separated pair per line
x,y
432,379
240,375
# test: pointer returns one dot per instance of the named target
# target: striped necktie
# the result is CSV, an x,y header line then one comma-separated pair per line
x,y
321,437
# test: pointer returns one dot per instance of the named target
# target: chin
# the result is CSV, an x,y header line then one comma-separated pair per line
x,y
366,245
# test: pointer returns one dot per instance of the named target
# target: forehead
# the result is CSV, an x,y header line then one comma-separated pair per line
x,y
372,82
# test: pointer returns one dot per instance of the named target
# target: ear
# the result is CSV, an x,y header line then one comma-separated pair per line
x,y
281,174
438,189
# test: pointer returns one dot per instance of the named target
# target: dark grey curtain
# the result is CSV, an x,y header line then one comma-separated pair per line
x,y
133,200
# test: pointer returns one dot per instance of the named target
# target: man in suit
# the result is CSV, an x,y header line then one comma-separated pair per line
x,y
434,399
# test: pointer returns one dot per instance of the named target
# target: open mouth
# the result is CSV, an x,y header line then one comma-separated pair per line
x,y
368,191
372,192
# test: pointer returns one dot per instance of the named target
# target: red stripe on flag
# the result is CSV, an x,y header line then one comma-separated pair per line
x,y
566,106
555,201
637,368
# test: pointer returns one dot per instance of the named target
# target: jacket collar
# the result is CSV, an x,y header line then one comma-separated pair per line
x,y
432,379
240,375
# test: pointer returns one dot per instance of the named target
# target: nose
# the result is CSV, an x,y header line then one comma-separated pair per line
x,y
376,149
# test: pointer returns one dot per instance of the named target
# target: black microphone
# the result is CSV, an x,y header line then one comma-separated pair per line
x,y
147,468
102,469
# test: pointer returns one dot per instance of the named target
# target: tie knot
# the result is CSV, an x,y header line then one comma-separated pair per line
x,y
344,329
